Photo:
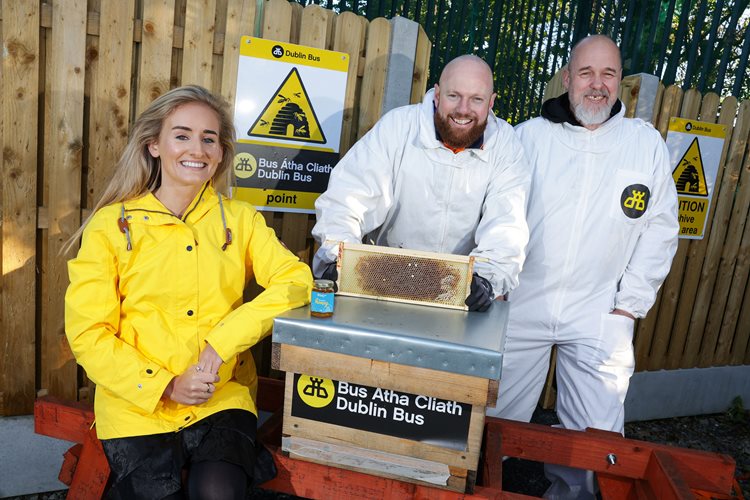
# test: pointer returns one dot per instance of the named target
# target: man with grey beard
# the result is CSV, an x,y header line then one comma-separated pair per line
x,y
603,227
444,176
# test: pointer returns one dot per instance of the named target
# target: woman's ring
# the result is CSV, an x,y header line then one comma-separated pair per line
x,y
208,387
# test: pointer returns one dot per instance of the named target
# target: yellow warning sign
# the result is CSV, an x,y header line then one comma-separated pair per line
x,y
289,114
689,175
693,213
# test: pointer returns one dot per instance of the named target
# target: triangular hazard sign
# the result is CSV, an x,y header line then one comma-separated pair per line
x,y
289,114
689,177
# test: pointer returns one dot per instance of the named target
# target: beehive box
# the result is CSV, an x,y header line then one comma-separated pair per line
x,y
400,275
391,389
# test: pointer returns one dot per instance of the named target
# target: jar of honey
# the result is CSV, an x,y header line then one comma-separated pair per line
x,y
321,301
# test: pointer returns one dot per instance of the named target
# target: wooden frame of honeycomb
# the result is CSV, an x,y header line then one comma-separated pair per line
x,y
399,275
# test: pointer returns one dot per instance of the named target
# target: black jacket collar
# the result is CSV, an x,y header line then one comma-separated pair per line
x,y
557,110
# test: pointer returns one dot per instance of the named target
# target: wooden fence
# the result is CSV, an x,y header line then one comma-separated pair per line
x,y
74,75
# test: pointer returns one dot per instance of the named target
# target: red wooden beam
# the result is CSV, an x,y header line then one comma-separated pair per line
x,y
589,450
62,419
311,480
90,480
663,475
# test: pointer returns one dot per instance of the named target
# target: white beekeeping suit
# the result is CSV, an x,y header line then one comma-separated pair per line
x,y
400,186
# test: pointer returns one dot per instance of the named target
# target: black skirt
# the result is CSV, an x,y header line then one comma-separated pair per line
x,y
152,466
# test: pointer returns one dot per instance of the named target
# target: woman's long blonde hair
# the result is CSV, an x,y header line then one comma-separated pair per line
x,y
137,172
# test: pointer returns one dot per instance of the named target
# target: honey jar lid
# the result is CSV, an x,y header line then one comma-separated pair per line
x,y
323,284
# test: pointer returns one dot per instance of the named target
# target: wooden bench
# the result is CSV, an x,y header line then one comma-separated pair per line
x,y
626,469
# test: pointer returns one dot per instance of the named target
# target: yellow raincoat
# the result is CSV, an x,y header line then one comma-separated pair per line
x,y
137,318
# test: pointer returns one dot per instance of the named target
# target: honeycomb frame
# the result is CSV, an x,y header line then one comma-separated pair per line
x,y
407,276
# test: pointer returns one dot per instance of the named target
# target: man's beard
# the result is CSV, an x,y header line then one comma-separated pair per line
x,y
594,115
458,139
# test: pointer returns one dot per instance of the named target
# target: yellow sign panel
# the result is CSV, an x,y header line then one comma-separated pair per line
x,y
273,199
693,213
689,176
289,114
263,48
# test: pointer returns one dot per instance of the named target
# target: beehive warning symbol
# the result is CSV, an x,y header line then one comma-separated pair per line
x,y
689,176
289,114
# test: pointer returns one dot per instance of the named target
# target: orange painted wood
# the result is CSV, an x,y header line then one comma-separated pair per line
x,y
664,477
90,477
311,480
642,469
70,462
616,488
491,467
62,419
587,450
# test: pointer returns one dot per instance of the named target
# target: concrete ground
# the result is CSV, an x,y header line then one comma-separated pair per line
x,y
29,463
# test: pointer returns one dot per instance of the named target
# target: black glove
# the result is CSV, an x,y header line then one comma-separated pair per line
x,y
331,273
480,297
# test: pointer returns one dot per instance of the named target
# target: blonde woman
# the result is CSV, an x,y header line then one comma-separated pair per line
x,y
154,310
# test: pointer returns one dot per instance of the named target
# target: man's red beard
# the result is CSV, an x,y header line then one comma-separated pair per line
x,y
458,138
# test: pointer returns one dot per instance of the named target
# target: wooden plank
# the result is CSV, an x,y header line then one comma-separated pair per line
x,y
664,478
67,56
588,450
658,99
175,75
368,461
421,66
671,287
70,462
296,477
220,21
277,20
741,344
349,37
110,94
737,147
317,25
554,87
20,104
630,86
613,487
240,22
60,419
365,371
90,477
197,52
730,281
45,88
697,248
373,80
296,21
491,467
157,33
670,106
